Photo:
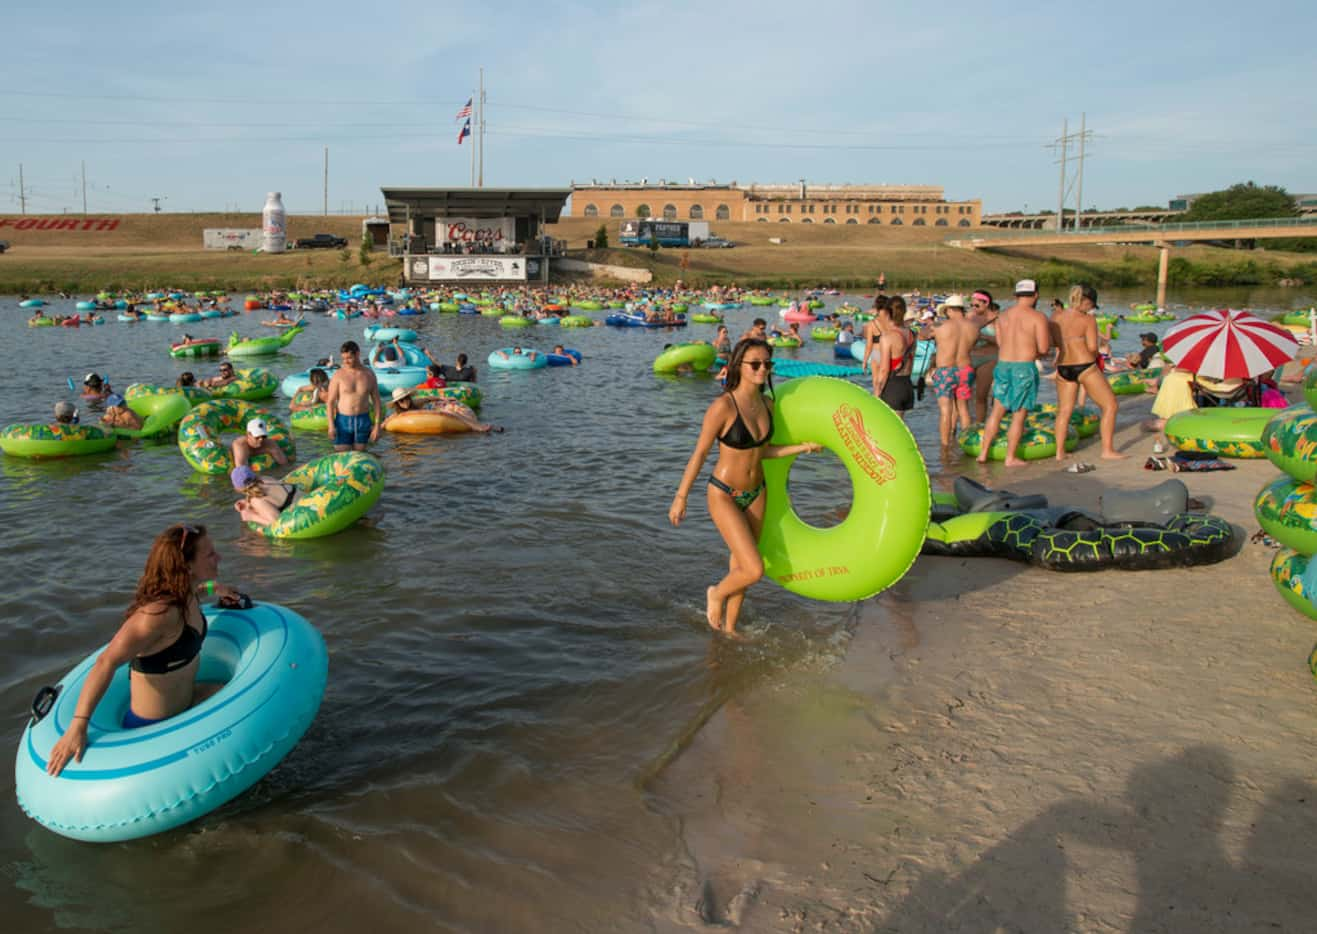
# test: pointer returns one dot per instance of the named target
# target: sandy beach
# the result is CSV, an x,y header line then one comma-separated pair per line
x,y
1011,749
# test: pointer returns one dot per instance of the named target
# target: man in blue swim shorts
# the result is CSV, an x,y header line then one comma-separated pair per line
x,y
1022,338
353,398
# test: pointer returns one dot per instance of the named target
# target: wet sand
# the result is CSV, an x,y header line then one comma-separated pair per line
x,y
1011,749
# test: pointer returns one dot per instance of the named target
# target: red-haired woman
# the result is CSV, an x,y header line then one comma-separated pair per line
x,y
160,639
741,421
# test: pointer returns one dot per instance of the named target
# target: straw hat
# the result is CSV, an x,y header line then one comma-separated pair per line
x,y
400,393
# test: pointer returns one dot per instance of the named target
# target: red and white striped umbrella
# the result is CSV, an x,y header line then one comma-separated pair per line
x,y
1228,344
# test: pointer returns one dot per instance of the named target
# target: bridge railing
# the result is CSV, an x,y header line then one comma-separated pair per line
x,y
1199,226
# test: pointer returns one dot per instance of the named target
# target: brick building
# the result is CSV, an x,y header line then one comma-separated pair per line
x,y
890,205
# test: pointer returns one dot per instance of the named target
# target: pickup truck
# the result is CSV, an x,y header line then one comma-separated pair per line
x,y
321,241
4,245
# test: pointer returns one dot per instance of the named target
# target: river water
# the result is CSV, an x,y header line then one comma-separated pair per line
x,y
516,640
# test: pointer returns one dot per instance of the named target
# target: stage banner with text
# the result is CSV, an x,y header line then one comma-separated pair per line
x,y
496,232
475,268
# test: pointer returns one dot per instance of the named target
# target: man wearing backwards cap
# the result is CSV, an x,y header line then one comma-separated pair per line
x,y
953,377
257,441
1022,337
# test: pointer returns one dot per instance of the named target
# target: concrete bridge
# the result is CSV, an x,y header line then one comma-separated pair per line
x,y
1159,235
1094,219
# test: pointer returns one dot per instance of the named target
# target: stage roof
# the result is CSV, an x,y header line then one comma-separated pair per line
x,y
475,202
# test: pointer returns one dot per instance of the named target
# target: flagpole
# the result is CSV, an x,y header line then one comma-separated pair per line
x,y
480,125
473,163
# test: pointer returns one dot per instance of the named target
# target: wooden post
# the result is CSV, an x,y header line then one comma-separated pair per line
x,y
1162,264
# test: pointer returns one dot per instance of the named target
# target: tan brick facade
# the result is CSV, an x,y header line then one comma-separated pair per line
x,y
887,205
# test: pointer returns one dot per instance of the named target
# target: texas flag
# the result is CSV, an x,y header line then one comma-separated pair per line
x,y
465,111
466,131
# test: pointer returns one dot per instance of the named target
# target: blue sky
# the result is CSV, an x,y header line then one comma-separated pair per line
x,y
210,106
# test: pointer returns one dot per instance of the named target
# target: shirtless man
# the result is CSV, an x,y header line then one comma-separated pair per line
x,y
1022,337
353,396
983,312
256,441
953,377
758,331
1075,335
226,376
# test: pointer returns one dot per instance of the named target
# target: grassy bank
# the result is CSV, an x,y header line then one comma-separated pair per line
x,y
154,251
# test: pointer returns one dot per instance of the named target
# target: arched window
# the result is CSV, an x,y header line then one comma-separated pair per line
x,y
722,213
829,220
941,222
617,211
919,222
963,223
875,220
763,220
669,212
851,220
591,211
896,222
784,220
642,210
697,212
807,220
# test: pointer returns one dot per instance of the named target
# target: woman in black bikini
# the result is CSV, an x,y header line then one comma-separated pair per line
x,y
160,639
741,421
893,358
1074,332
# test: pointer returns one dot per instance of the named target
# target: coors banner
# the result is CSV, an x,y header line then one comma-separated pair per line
x,y
498,233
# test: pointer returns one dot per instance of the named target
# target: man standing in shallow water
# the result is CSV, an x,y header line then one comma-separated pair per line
x,y
953,377
1022,337
353,396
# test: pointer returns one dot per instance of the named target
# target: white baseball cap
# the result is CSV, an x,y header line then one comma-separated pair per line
x,y
1026,287
256,428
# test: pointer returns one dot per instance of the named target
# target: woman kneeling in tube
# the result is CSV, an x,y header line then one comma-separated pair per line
x,y
160,639
741,421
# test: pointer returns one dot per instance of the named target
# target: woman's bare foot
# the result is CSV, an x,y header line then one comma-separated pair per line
x,y
1113,456
713,610
1014,462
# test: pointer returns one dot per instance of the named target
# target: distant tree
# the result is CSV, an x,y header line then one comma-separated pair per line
x,y
1147,207
1242,202
366,252
653,244
601,237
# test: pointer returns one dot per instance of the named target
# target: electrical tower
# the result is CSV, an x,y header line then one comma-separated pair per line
x,y
1063,142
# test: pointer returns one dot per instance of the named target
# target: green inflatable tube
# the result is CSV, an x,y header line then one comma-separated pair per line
x,y
515,321
159,413
201,445
1290,442
1287,511
250,386
1225,431
880,537
334,491
589,305
701,317
823,334
576,321
1035,444
1131,382
55,440
1310,386
1287,572
698,356
466,393
262,346
784,342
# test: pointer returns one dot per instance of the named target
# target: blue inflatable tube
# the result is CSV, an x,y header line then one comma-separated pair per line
x,y
549,322
380,333
843,351
466,308
409,311
505,359
404,377
32,303
565,358
186,317
85,306
411,356
134,783
212,313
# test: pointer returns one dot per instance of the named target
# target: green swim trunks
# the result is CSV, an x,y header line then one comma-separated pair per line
x,y
1015,385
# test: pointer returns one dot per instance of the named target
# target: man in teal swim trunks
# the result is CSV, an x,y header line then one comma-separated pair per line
x,y
1022,338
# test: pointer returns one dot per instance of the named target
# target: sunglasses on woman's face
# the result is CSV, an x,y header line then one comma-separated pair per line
x,y
187,530
757,365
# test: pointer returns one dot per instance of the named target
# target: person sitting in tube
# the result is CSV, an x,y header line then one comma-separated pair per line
x,y
94,387
434,378
257,441
66,413
846,336
185,380
118,415
313,394
401,400
160,639
518,352
263,499
462,372
225,376
561,352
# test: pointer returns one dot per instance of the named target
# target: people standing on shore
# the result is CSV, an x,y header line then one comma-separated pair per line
x,y
893,357
1075,336
354,395
953,377
1022,338
741,421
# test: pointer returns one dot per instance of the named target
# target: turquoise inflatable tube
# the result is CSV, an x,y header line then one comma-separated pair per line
x,y
135,783
85,306
185,317
380,333
528,359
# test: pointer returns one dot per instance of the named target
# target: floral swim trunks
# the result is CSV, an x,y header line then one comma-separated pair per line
x,y
953,382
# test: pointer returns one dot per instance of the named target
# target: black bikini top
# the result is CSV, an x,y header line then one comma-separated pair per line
x,y
739,437
185,648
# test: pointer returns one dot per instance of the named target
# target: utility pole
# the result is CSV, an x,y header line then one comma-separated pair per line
x,y
326,202
84,187
156,202
1079,196
1060,197
480,183
22,192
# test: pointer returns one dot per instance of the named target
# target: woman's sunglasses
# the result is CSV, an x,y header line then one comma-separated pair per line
x,y
757,365
182,539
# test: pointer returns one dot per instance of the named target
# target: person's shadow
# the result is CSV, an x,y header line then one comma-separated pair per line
x,y
1169,824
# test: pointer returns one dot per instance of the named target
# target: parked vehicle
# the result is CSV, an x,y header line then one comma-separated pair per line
x,y
321,241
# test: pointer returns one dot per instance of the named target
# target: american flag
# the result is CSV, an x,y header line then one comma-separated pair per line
x,y
465,111
466,131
